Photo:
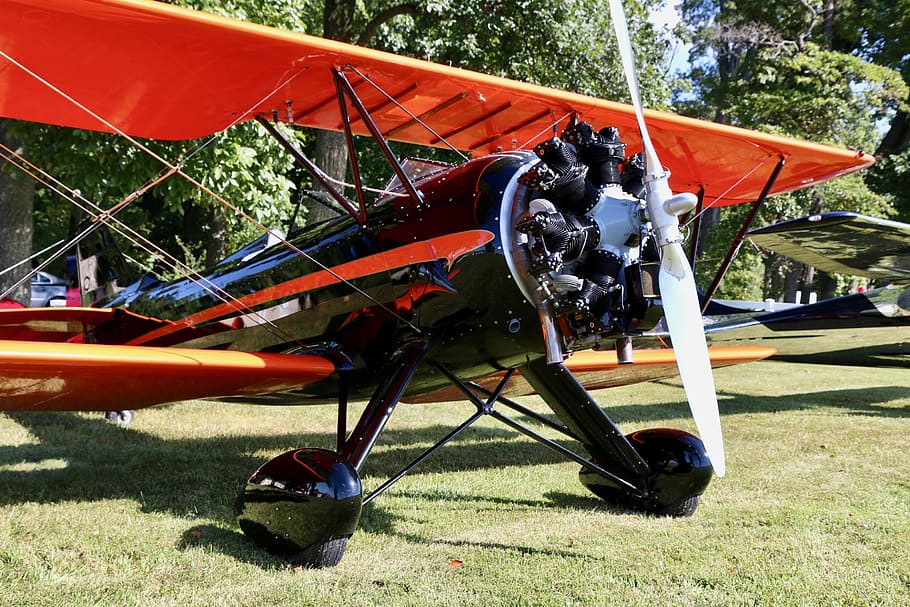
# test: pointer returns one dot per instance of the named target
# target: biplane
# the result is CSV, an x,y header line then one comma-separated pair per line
x,y
867,328
530,267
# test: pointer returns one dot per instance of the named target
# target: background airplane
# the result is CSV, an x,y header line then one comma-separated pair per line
x,y
537,247
869,328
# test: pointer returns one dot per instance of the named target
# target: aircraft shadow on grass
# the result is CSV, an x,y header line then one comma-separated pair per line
x,y
376,519
121,460
199,475
202,471
870,401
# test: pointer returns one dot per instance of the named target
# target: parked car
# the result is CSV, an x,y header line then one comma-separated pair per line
x,y
48,290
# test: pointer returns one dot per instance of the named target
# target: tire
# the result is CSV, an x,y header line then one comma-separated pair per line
x,y
303,505
683,509
680,471
323,554
120,417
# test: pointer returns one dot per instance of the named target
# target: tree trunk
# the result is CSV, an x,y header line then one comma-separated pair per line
x,y
331,157
898,134
216,242
776,272
828,11
807,282
826,286
17,192
792,277
331,151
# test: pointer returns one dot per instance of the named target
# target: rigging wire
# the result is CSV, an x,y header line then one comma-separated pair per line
x,y
29,258
723,194
413,116
124,230
106,217
97,219
174,169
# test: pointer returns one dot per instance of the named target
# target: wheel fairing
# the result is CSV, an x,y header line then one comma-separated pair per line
x,y
299,499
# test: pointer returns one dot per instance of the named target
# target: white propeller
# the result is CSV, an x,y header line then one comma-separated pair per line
x,y
677,284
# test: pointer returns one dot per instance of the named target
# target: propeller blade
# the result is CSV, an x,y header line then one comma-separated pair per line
x,y
677,284
683,314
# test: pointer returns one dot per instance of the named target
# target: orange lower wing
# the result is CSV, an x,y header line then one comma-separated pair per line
x,y
601,369
89,377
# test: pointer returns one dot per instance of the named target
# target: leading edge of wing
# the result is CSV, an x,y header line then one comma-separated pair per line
x,y
90,377
160,71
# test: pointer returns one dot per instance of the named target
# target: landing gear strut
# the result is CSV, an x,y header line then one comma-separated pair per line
x,y
305,504
659,471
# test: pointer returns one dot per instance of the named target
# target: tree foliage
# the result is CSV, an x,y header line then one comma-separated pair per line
x,y
568,45
242,166
822,71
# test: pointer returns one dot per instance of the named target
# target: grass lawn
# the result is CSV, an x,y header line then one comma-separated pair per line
x,y
814,510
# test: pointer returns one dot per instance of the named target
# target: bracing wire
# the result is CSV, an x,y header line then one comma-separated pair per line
x,y
107,217
413,116
177,170
723,194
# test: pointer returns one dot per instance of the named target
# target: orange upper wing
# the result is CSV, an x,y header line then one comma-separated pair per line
x,y
154,70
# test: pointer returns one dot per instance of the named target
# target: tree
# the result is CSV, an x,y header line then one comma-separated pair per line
x,y
245,167
883,38
16,193
764,65
568,45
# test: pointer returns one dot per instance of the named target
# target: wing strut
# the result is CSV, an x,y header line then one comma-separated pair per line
x,y
738,241
310,167
696,226
345,91
344,88
378,411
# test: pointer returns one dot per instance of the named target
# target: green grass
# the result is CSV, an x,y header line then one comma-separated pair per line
x,y
815,509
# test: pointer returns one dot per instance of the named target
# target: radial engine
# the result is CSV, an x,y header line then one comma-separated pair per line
x,y
584,241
